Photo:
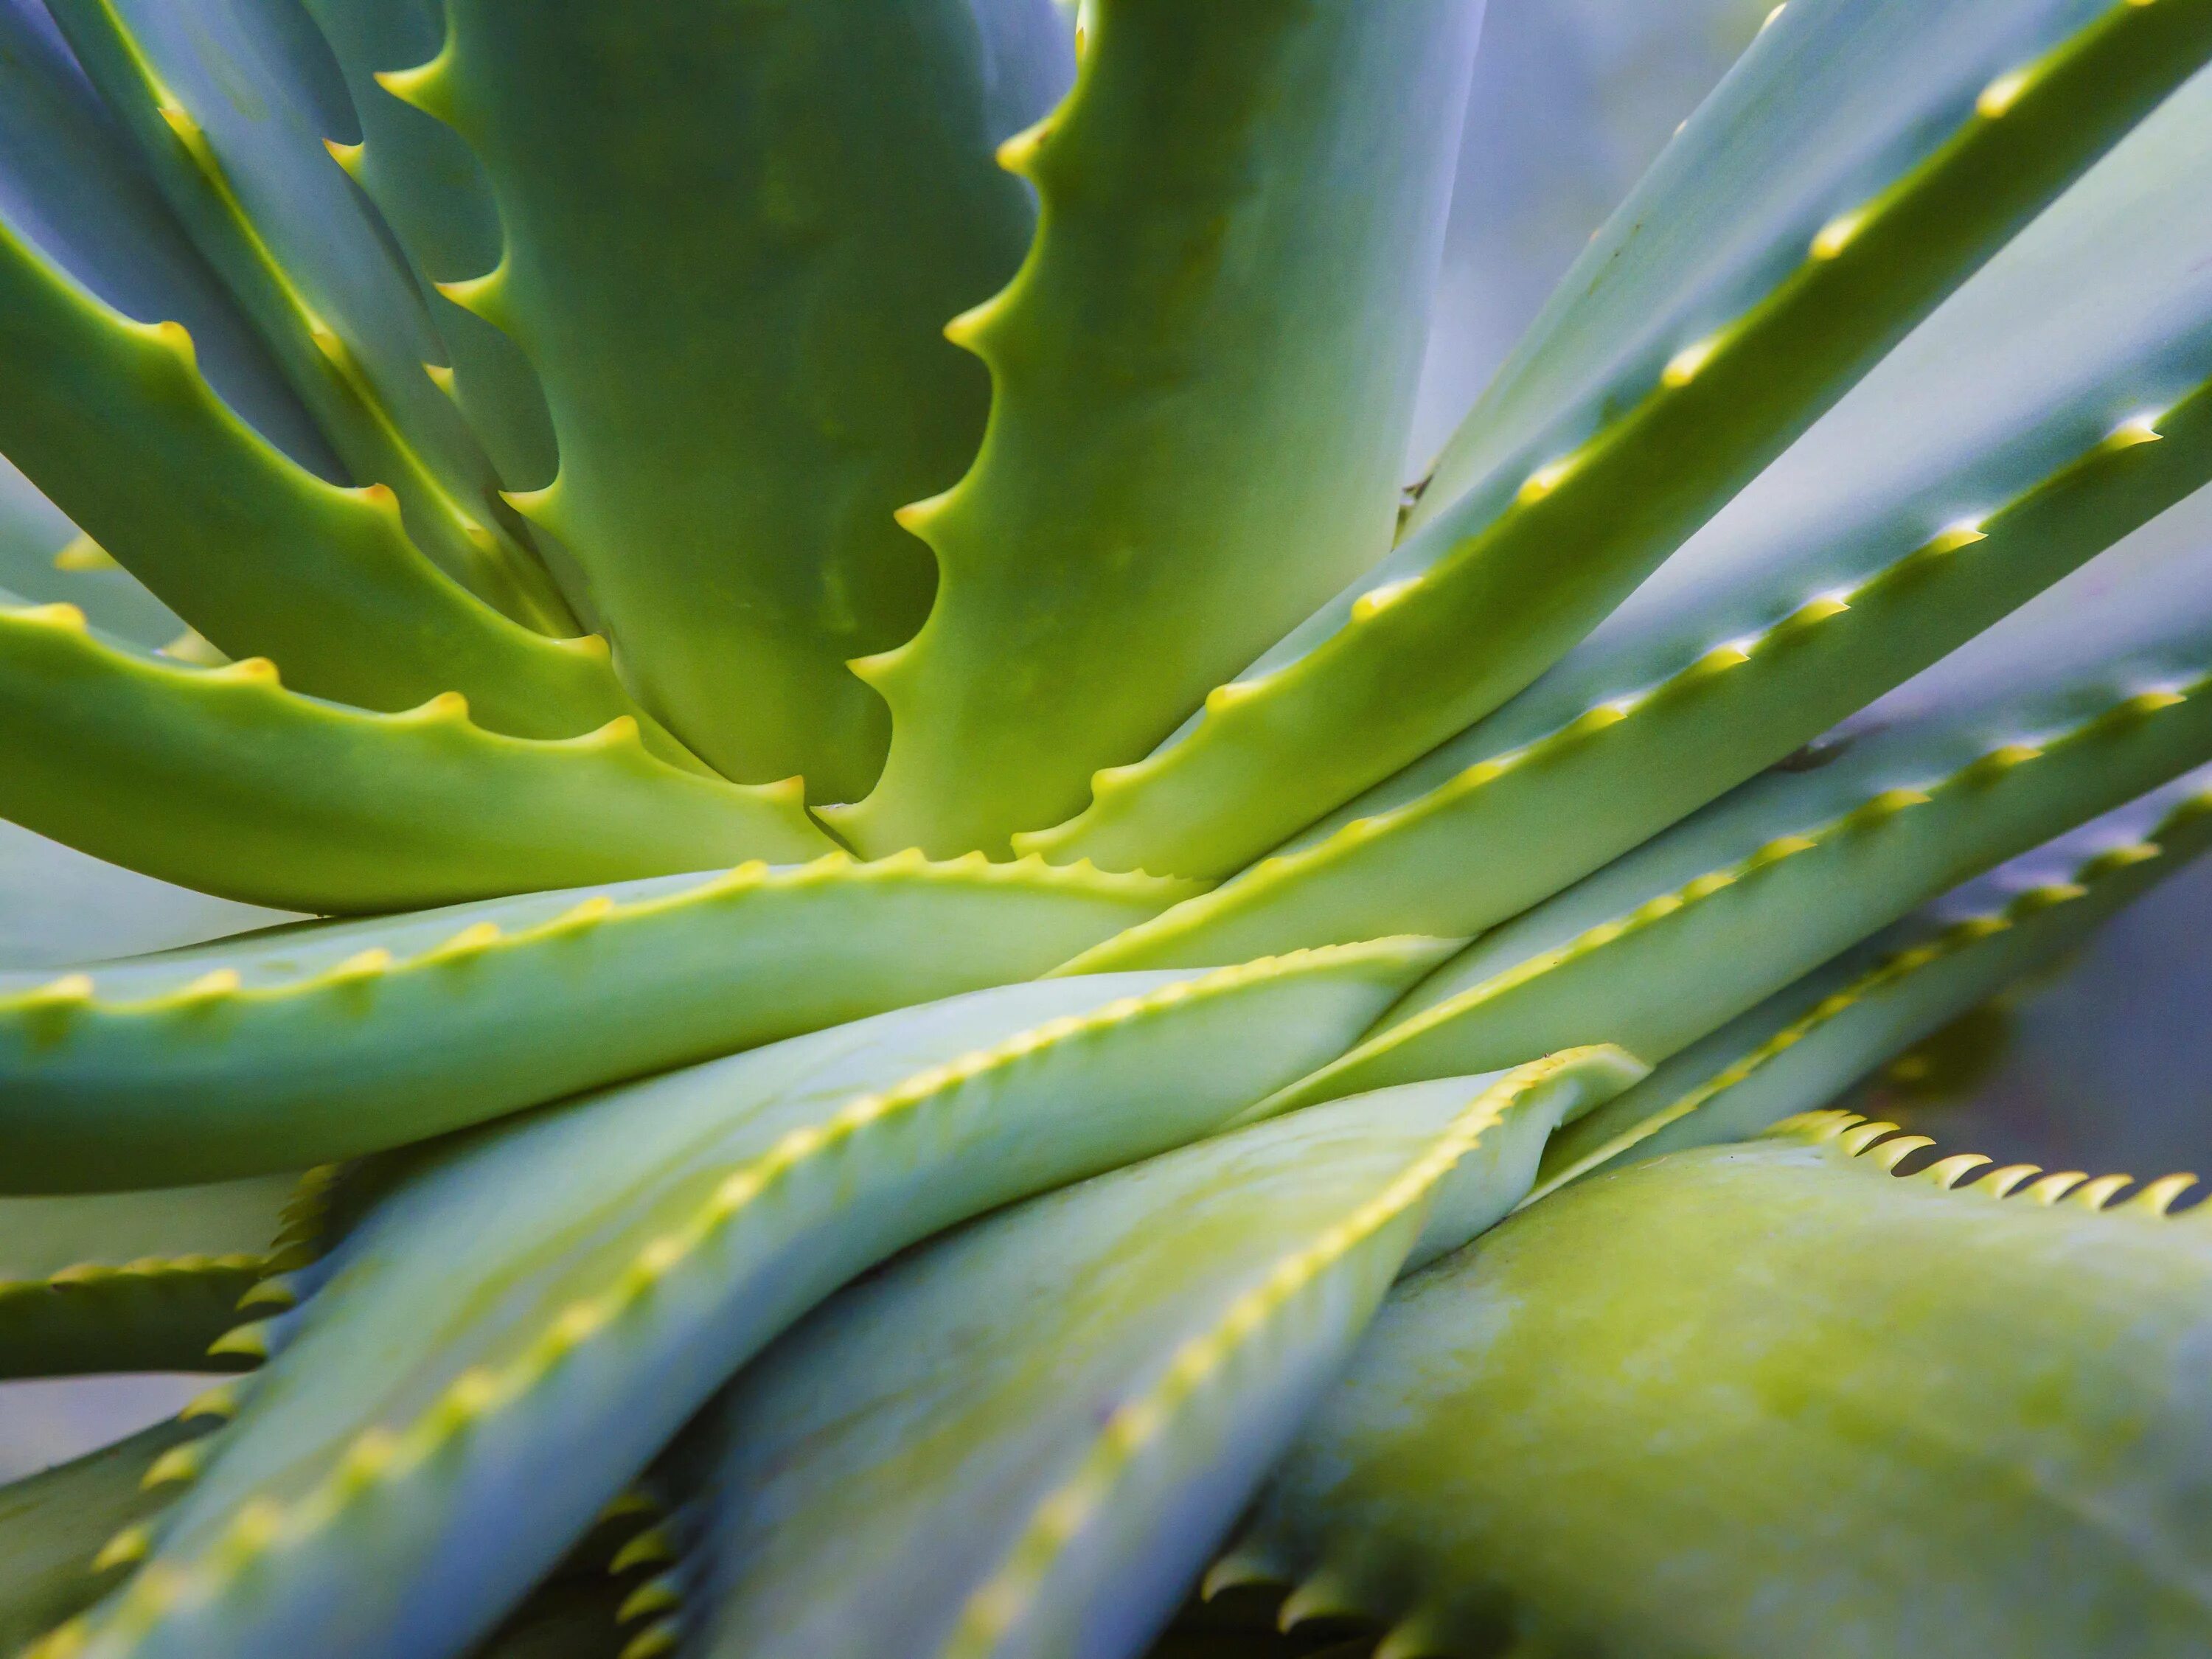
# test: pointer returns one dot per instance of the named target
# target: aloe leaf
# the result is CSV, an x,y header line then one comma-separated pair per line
x,y
53,1524
545,1305
433,195
1095,1382
112,420
805,195
2073,707
276,798
69,182
310,1044
2059,401
306,258
1718,1404
129,1282
1531,559
1805,1045
1203,376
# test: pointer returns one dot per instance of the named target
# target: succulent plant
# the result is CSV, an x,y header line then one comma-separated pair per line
x,y
932,975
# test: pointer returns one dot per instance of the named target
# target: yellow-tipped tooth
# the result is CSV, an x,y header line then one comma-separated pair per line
x,y
649,1548
2001,94
66,617
1856,1141
2052,1187
248,670
445,706
70,990
589,914
653,1641
1376,600
1892,1152
1018,154
346,155
1838,234
440,377
126,1549
1544,480
2095,1195
472,940
1684,365
2137,430
85,554
178,120
2158,1196
362,964
211,987
1949,1172
654,1596
178,1463
221,1403
1999,1183
272,1293
246,1341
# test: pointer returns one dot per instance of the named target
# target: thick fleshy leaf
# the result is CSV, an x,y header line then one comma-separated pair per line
x,y
509,1338
280,799
54,1524
2007,441
1531,559
1803,1046
70,184
113,421
2099,691
433,195
138,1281
732,238
1092,1382
1722,1404
306,256
1203,380
311,1044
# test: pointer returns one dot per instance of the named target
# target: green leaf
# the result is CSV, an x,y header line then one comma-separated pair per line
x,y
1204,377
1092,1382
2005,442
280,799
732,237
434,196
306,258
310,1044
2072,707
54,1523
513,1334
1492,590
112,420
70,183
1774,1400
138,1281
1804,1046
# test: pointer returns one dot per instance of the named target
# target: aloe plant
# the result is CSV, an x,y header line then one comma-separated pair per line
x,y
873,949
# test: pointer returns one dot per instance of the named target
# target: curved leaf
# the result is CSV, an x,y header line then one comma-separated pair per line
x,y
2007,440
306,258
1716,1404
52,1524
1203,377
310,1044
805,194
138,1281
1528,562
279,799
112,420
543,1307
2073,707
1803,1046
1092,1382
70,184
